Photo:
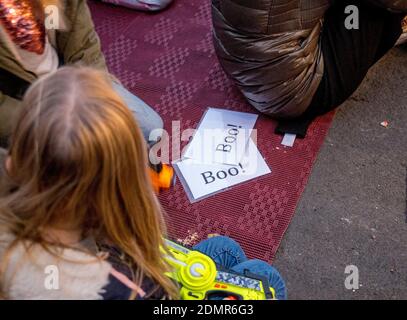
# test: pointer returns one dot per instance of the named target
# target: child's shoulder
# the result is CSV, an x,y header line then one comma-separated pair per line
x,y
32,272
37,273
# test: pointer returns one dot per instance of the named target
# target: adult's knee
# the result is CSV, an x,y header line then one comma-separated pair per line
x,y
218,242
223,250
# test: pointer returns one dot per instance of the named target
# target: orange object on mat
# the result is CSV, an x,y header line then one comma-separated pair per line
x,y
163,177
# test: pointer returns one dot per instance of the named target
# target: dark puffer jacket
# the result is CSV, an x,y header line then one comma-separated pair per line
x,y
392,5
270,48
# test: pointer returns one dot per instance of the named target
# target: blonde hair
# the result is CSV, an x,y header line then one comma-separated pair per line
x,y
79,162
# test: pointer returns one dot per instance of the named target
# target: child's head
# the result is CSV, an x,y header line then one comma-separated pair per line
x,y
79,162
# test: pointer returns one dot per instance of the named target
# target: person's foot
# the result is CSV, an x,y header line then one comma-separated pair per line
x,y
144,5
403,38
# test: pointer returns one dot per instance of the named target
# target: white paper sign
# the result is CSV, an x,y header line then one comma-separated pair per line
x,y
221,137
203,180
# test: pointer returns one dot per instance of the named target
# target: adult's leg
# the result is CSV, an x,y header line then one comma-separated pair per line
x,y
148,120
226,252
349,54
262,268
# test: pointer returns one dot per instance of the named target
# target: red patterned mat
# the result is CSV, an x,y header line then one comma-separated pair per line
x,y
168,60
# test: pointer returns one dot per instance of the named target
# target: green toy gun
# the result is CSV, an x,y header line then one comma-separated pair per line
x,y
200,279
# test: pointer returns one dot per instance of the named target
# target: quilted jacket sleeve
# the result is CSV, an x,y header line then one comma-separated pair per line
x,y
393,5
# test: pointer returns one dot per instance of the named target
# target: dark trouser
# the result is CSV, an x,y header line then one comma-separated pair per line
x,y
348,56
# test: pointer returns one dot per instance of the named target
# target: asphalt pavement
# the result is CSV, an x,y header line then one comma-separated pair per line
x,y
354,208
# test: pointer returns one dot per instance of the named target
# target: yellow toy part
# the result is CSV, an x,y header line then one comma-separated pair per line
x,y
200,279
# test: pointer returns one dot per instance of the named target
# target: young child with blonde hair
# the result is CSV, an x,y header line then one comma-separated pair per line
x,y
80,219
